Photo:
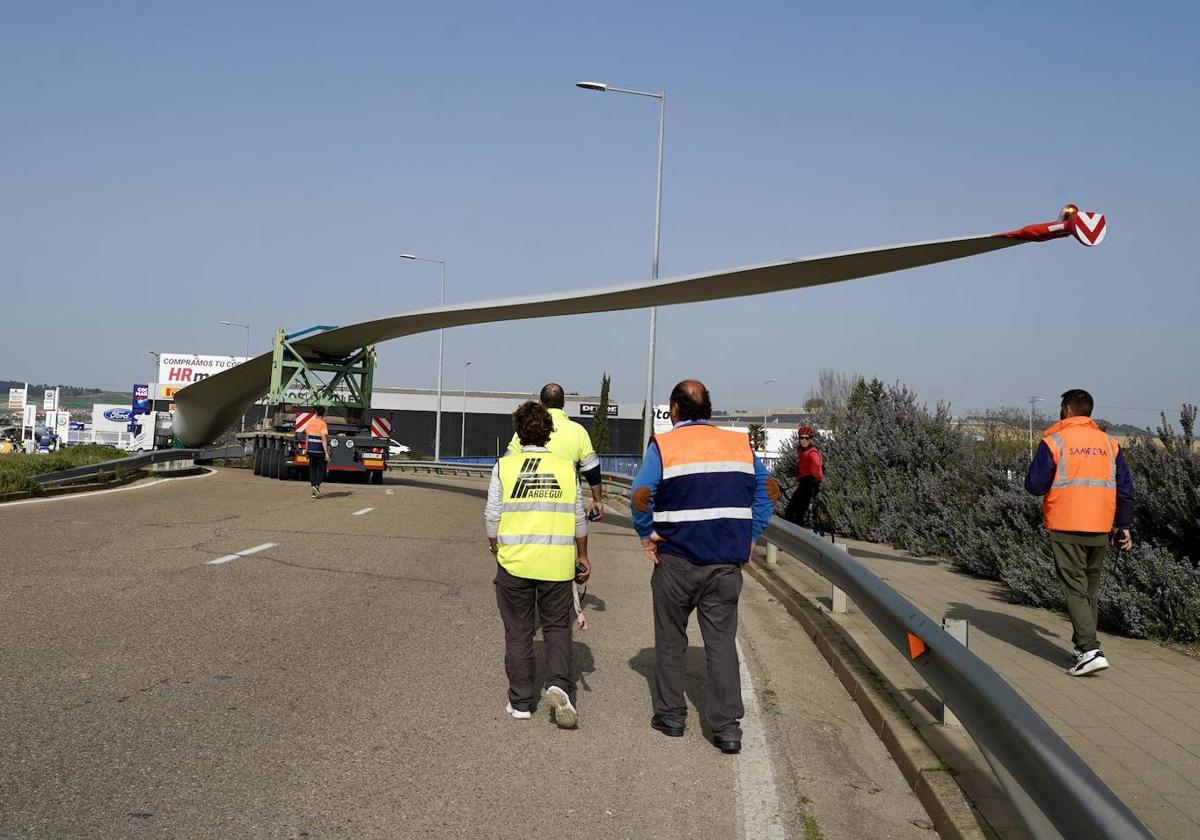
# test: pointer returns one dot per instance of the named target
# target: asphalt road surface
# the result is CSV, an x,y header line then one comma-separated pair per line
x,y
345,679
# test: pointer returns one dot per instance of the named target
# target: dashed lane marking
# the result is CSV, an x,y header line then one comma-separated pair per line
x,y
361,512
246,553
761,817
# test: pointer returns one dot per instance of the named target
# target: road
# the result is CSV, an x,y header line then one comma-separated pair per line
x,y
345,680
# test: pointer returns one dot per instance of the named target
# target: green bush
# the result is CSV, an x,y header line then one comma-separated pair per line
x,y
17,471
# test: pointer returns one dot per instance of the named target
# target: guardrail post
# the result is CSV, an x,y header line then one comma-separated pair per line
x,y
772,554
837,600
959,630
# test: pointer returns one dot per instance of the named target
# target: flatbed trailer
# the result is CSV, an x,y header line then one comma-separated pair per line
x,y
277,446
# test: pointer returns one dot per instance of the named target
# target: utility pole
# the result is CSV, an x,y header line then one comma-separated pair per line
x,y
1032,401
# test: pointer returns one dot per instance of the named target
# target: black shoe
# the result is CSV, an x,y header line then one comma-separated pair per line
x,y
665,728
730,746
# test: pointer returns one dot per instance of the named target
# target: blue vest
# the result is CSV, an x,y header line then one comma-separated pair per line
x,y
704,504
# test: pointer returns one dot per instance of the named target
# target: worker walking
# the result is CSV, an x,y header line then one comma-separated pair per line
x,y
570,440
1088,490
316,448
700,501
537,530
810,473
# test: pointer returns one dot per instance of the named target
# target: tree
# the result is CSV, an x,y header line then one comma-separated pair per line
x,y
600,423
758,437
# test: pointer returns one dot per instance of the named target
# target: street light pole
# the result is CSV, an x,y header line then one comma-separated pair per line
x,y
766,382
437,427
246,327
661,96
462,445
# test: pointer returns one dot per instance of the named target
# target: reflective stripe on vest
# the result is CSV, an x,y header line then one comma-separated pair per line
x,y
1083,495
536,535
703,506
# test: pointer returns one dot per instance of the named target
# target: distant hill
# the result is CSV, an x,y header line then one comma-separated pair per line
x,y
69,396
1128,430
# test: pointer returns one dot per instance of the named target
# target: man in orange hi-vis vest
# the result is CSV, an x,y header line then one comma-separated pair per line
x,y
1088,503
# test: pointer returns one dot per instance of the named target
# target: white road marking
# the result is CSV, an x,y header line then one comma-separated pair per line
x,y
391,492
761,816
87,494
245,553
361,512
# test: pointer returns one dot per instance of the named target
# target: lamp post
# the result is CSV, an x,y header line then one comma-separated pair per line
x,y
766,382
437,427
1032,400
246,327
462,445
661,96
156,364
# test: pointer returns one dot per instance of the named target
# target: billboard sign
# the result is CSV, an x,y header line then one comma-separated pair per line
x,y
590,409
16,399
30,418
50,400
141,399
662,419
177,370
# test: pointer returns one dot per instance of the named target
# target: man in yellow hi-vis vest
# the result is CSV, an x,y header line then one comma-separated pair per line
x,y
537,529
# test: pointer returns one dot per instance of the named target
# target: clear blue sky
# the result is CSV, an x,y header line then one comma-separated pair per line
x,y
167,166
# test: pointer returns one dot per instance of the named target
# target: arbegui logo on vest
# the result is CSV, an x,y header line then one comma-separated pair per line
x,y
532,484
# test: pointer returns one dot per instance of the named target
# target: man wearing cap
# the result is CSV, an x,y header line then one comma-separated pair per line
x,y
809,475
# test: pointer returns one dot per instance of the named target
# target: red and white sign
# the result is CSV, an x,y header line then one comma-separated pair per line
x,y
381,427
302,418
1088,228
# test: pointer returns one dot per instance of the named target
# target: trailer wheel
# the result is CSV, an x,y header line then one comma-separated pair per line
x,y
257,455
281,464
376,477
272,460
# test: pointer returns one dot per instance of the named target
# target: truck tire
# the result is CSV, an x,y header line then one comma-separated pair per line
x,y
376,477
270,460
257,454
281,464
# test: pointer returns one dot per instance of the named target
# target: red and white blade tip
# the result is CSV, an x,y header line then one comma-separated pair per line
x,y
1086,226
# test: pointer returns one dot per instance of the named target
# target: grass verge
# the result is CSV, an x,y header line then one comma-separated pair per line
x,y
17,471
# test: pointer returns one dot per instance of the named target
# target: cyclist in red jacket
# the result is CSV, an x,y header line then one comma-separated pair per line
x,y
809,474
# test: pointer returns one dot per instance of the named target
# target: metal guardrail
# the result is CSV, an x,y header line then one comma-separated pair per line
x,y
1056,793
133,462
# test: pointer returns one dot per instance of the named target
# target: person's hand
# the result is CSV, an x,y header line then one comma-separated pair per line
x,y
1122,539
650,546
595,510
493,545
582,560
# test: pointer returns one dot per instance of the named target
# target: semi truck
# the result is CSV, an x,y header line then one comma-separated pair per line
x,y
357,446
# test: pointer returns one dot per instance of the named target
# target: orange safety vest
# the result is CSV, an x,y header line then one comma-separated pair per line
x,y
1083,496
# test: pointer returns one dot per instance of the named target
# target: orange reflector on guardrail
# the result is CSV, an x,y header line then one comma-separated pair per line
x,y
916,647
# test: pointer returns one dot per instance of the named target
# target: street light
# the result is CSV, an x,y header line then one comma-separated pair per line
x,y
661,96
462,445
437,427
766,382
156,364
246,327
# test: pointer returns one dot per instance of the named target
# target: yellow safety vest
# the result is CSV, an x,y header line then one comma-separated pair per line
x,y
536,538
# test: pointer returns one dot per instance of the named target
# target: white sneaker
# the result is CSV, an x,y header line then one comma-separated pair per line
x,y
1088,662
565,716
519,715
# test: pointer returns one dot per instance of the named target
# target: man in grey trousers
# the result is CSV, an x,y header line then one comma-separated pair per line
x,y
700,501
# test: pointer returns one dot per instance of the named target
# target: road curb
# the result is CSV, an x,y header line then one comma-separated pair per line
x,y
930,779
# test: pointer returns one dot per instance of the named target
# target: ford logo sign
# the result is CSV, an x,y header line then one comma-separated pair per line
x,y
118,415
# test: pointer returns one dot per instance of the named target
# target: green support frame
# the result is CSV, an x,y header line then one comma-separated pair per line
x,y
294,378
